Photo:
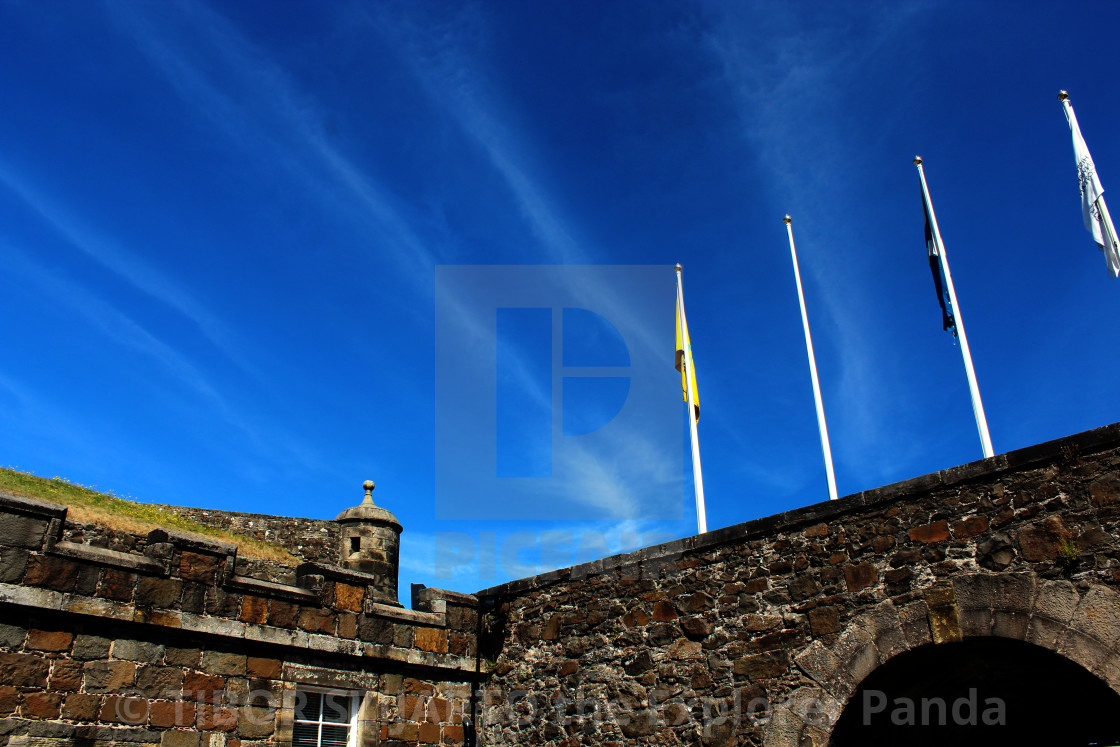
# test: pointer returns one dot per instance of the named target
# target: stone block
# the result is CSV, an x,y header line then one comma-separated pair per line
x,y
41,705
156,681
203,688
803,587
256,666
861,576
283,614
664,611
49,640
124,709
197,567
254,609
108,676
404,731
24,670
1098,615
818,661
168,714
970,527
404,635
216,718
1011,625
453,734
975,622
944,618
938,531
81,707
51,573
13,564
914,619
66,675
133,650
117,585
349,597
12,636
180,738
316,620
17,530
686,650
256,723
9,700
163,593
1083,649
762,666
431,639
216,662
181,657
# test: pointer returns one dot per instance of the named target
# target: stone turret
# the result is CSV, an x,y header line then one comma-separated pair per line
x,y
371,541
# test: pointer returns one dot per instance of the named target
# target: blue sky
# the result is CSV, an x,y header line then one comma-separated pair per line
x,y
221,224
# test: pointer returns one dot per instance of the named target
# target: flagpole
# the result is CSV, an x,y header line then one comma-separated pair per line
x,y
1108,230
812,367
974,388
697,473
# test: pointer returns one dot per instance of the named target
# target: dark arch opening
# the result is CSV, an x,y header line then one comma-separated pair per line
x,y
981,691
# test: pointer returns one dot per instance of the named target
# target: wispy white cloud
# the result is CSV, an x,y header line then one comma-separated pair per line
x,y
441,60
248,97
125,331
130,267
790,77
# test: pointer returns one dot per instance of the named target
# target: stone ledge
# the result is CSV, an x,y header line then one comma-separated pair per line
x,y
193,542
271,589
417,617
112,558
37,598
1083,444
20,504
426,599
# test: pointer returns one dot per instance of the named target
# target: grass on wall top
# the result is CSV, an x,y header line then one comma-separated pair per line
x,y
92,507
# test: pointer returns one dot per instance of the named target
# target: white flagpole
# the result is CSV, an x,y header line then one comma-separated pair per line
x,y
1087,172
697,473
812,367
974,388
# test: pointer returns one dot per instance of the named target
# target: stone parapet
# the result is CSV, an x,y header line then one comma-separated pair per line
x,y
161,640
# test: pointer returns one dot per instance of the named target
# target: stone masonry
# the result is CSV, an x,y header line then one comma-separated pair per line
x,y
162,641
756,634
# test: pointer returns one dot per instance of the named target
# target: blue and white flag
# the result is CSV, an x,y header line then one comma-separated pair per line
x,y
1093,208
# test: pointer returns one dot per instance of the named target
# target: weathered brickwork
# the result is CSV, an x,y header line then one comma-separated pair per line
x,y
720,639
756,634
314,540
160,640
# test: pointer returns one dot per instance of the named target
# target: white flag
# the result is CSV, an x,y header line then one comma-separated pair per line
x,y
1093,209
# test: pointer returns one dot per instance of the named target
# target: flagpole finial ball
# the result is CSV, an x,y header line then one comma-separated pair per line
x,y
1063,95
787,220
678,267
917,160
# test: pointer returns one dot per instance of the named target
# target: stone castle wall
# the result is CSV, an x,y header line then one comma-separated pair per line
x,y
720,639
314,540
160,640
756,634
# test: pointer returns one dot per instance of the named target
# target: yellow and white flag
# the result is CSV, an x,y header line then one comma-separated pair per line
x,y
684,347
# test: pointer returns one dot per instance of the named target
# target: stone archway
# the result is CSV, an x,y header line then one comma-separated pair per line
x,y
1084,628
979,692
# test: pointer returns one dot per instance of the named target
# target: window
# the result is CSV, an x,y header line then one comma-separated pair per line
x,y
355,544
324,718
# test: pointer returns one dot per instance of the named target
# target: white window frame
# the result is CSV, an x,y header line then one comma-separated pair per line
x,y
351,726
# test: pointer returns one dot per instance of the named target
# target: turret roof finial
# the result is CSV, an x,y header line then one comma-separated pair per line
x,y
368,500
